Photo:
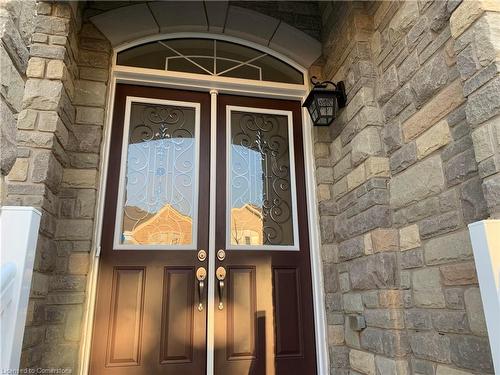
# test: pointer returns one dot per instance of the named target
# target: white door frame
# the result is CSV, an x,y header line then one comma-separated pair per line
x,y
214,86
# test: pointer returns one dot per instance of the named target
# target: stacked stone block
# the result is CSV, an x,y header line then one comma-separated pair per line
x,y
16,27
398,182
59,135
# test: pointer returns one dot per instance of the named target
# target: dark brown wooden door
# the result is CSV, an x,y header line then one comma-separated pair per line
x,y
147,319
264,307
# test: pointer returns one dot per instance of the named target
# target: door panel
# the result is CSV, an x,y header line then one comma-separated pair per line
x,y
241,313
147,319
262,225
127,308
287,305
177,315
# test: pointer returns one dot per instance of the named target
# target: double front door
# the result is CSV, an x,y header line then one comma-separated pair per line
x,y
198,273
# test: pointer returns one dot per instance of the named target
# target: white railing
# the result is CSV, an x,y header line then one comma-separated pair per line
x,y
18,237
485,238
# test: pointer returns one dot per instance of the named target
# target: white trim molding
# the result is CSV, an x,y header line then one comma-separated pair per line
x,y
485,238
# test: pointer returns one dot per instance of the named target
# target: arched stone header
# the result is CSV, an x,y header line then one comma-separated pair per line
x,y
128,23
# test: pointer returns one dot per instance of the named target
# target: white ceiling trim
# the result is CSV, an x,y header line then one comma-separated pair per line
x,y
126,24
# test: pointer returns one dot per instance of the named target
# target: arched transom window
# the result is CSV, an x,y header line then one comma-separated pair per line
x,y
210,57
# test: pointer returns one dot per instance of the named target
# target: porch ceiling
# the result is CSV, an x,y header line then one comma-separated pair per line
x,y
131,22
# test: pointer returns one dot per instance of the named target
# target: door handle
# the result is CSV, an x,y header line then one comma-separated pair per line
x,y
201,274
221,275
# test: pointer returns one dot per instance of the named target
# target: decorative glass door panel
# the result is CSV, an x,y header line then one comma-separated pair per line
x,y
261,180
159,191
263,317
151,305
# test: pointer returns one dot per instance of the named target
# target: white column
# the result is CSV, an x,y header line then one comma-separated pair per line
x,y
18,237
485,237
211,241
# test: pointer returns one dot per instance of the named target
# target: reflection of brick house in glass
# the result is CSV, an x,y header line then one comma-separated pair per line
x,y
167,226
246,225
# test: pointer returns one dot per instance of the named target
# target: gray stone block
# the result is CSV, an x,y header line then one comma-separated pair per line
x,y
430,78
403,158
374,271
484,103
418,319
450,321
440,224
473,201
460,167
431,346
471,352
351,249
412,259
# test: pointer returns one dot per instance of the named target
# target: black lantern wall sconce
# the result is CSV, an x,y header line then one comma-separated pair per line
x,y
323,102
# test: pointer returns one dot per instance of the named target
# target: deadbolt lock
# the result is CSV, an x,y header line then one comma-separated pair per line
x,y
221,255
202,255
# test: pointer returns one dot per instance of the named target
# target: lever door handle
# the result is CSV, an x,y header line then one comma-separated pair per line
x,y
221,275
201,274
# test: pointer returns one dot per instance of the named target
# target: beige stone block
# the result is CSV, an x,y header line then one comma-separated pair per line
x,y
387,366
362,361
364,144
36,68
427,291
448,248
90,93
459,274
468,12
443,103
321,150
339,188
368,244
403,20
19,171
483,147
445,370
356,177
74,229
376,166
79,178
336,335
391,298
27,119
323,192
336,150
418,182
324,175
78,263
433,139
56,69
475,313
385,240
409,237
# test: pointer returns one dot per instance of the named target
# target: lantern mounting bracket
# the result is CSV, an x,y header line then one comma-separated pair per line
x,y
339,89
324,100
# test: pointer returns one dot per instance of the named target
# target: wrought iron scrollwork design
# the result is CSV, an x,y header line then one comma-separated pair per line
x,y
265,135
160,122
159,202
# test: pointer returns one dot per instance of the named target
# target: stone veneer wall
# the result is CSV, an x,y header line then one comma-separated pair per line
x,y
400,174
59,137
16,27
